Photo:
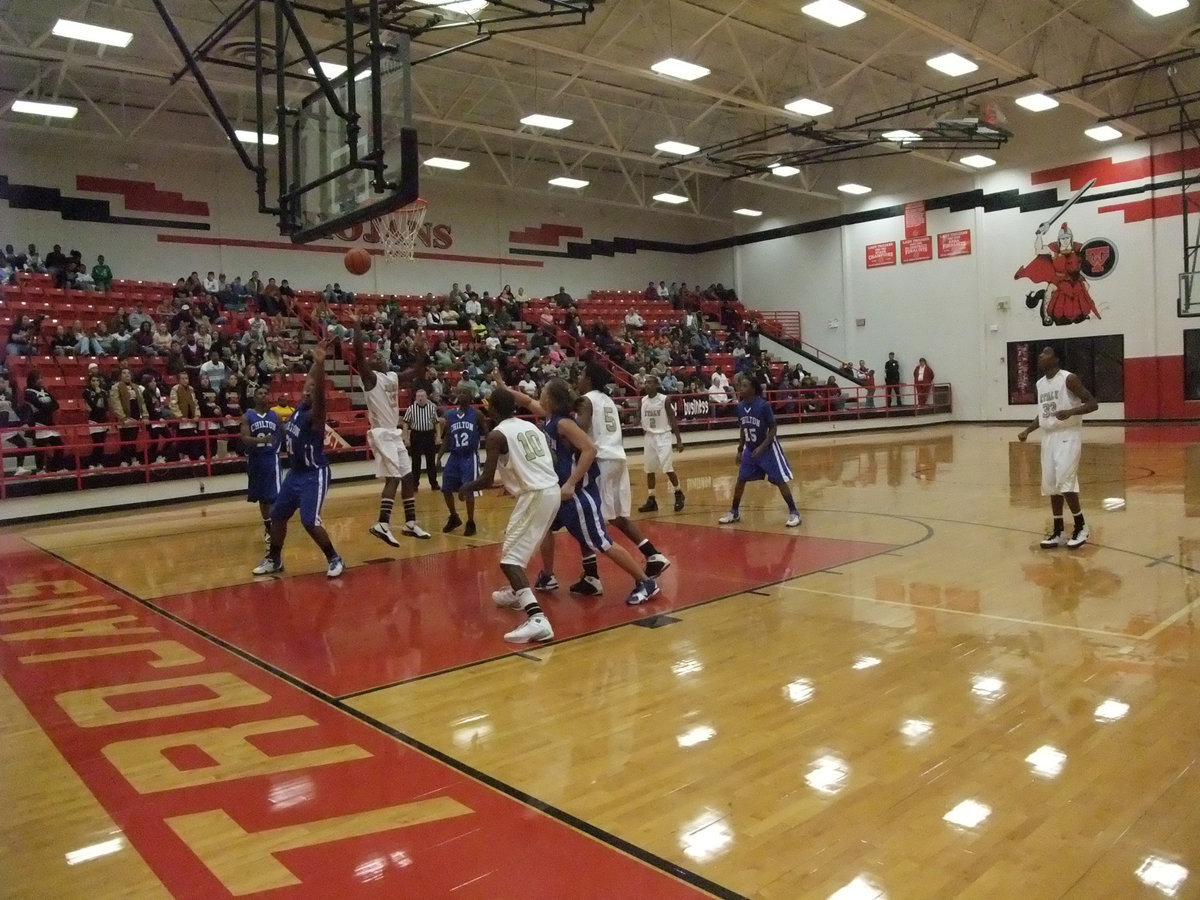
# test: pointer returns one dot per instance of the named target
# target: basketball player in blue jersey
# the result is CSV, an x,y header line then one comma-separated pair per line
x,y
463,429
262,433
759,454
579,511
307,480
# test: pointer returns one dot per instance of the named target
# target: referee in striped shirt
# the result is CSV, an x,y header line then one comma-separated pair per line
x,y
423,422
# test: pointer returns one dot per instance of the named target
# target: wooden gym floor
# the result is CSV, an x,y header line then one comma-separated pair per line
x,y
903,698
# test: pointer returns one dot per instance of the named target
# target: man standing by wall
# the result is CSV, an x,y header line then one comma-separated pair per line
x,y
891,380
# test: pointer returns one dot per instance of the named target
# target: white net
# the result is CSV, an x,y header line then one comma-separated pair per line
x,y
399,230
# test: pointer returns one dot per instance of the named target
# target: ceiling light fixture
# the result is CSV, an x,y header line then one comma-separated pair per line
x,y
677,147
53,110
806,107
331,70
1103,133
951,64
564,181
901,135
784,171
1036,102
1161,7
746,211
677,68
251,137
462,7
441,162
552,123
852,188
81,31
665,197
833,12
977,161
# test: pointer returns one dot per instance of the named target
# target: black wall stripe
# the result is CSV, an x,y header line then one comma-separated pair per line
x,y
79,209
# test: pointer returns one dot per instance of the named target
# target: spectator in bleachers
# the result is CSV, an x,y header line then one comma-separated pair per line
x,y
128,406
13,259
650,294
186,412
506,295
193,353
473,307
136,317
206,307
237,296
90,343
33,260
56,266
670,383
62,342
8,272
215,370
210,283
268,300
22,337
455,295
176,364
143,340
210,410
233,405
272,359
449,315
158,405
254,285
663,292
160,342
181,291
14,414
287,299
562,299
185,317
76,275
43,407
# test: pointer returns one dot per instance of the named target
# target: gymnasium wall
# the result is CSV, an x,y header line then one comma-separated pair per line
x,y
961,312
160,212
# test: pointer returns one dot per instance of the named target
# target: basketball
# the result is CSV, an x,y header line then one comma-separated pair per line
x,y
358,261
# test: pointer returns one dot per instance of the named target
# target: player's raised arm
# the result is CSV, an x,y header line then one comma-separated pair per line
x,y
495,446
317,374
577,438
522,399
365,373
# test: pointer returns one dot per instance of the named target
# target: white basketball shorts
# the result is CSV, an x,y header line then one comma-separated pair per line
x,y
616,496
1060,461
391,456
660,453
531,518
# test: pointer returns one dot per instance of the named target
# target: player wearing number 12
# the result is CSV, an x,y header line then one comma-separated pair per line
x,y
518,452
462,429
1062,400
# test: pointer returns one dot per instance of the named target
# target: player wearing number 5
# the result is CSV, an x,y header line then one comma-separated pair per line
x,y
462,429
1062,400
600,420
662,440
518,452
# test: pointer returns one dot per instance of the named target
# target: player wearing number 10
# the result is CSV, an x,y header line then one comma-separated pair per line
x,y
518,451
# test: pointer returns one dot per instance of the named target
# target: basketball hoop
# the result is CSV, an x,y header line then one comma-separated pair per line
x,y
399,228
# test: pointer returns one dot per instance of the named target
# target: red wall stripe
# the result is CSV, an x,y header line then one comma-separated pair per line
x,y
142,195
545,235
328,248
1154,207
1105,171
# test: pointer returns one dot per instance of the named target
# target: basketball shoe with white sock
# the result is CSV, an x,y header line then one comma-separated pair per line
x,y
535,628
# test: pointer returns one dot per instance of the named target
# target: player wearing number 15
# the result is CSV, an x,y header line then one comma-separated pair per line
x,y
1062,400
461,431
518,452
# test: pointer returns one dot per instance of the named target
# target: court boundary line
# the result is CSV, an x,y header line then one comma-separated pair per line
x,y
569,820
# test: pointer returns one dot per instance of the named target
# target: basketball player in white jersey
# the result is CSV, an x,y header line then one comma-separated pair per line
x,y
386,440
1062,401
518,451
601,421
658,428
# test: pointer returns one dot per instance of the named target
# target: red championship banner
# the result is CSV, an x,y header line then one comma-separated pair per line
x,y
954,243
914,220
881,254
918,249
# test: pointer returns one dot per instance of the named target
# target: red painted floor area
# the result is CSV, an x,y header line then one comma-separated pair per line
x,y
394,621
232,782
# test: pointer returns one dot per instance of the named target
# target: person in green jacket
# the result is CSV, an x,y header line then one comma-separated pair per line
x,y
102,276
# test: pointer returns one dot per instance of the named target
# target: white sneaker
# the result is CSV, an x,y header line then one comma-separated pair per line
x,y
656,565
536,628
160,459
21,470
1052,540
383,531
336,567
1080,537
793,521
268,566
729,518
506,598
412,529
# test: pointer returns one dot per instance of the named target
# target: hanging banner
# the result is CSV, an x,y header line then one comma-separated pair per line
x,y
954,243
917,249
881,255
914,220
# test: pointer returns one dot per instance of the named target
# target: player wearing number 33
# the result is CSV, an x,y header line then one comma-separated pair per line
x,y
600,420
1062,400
